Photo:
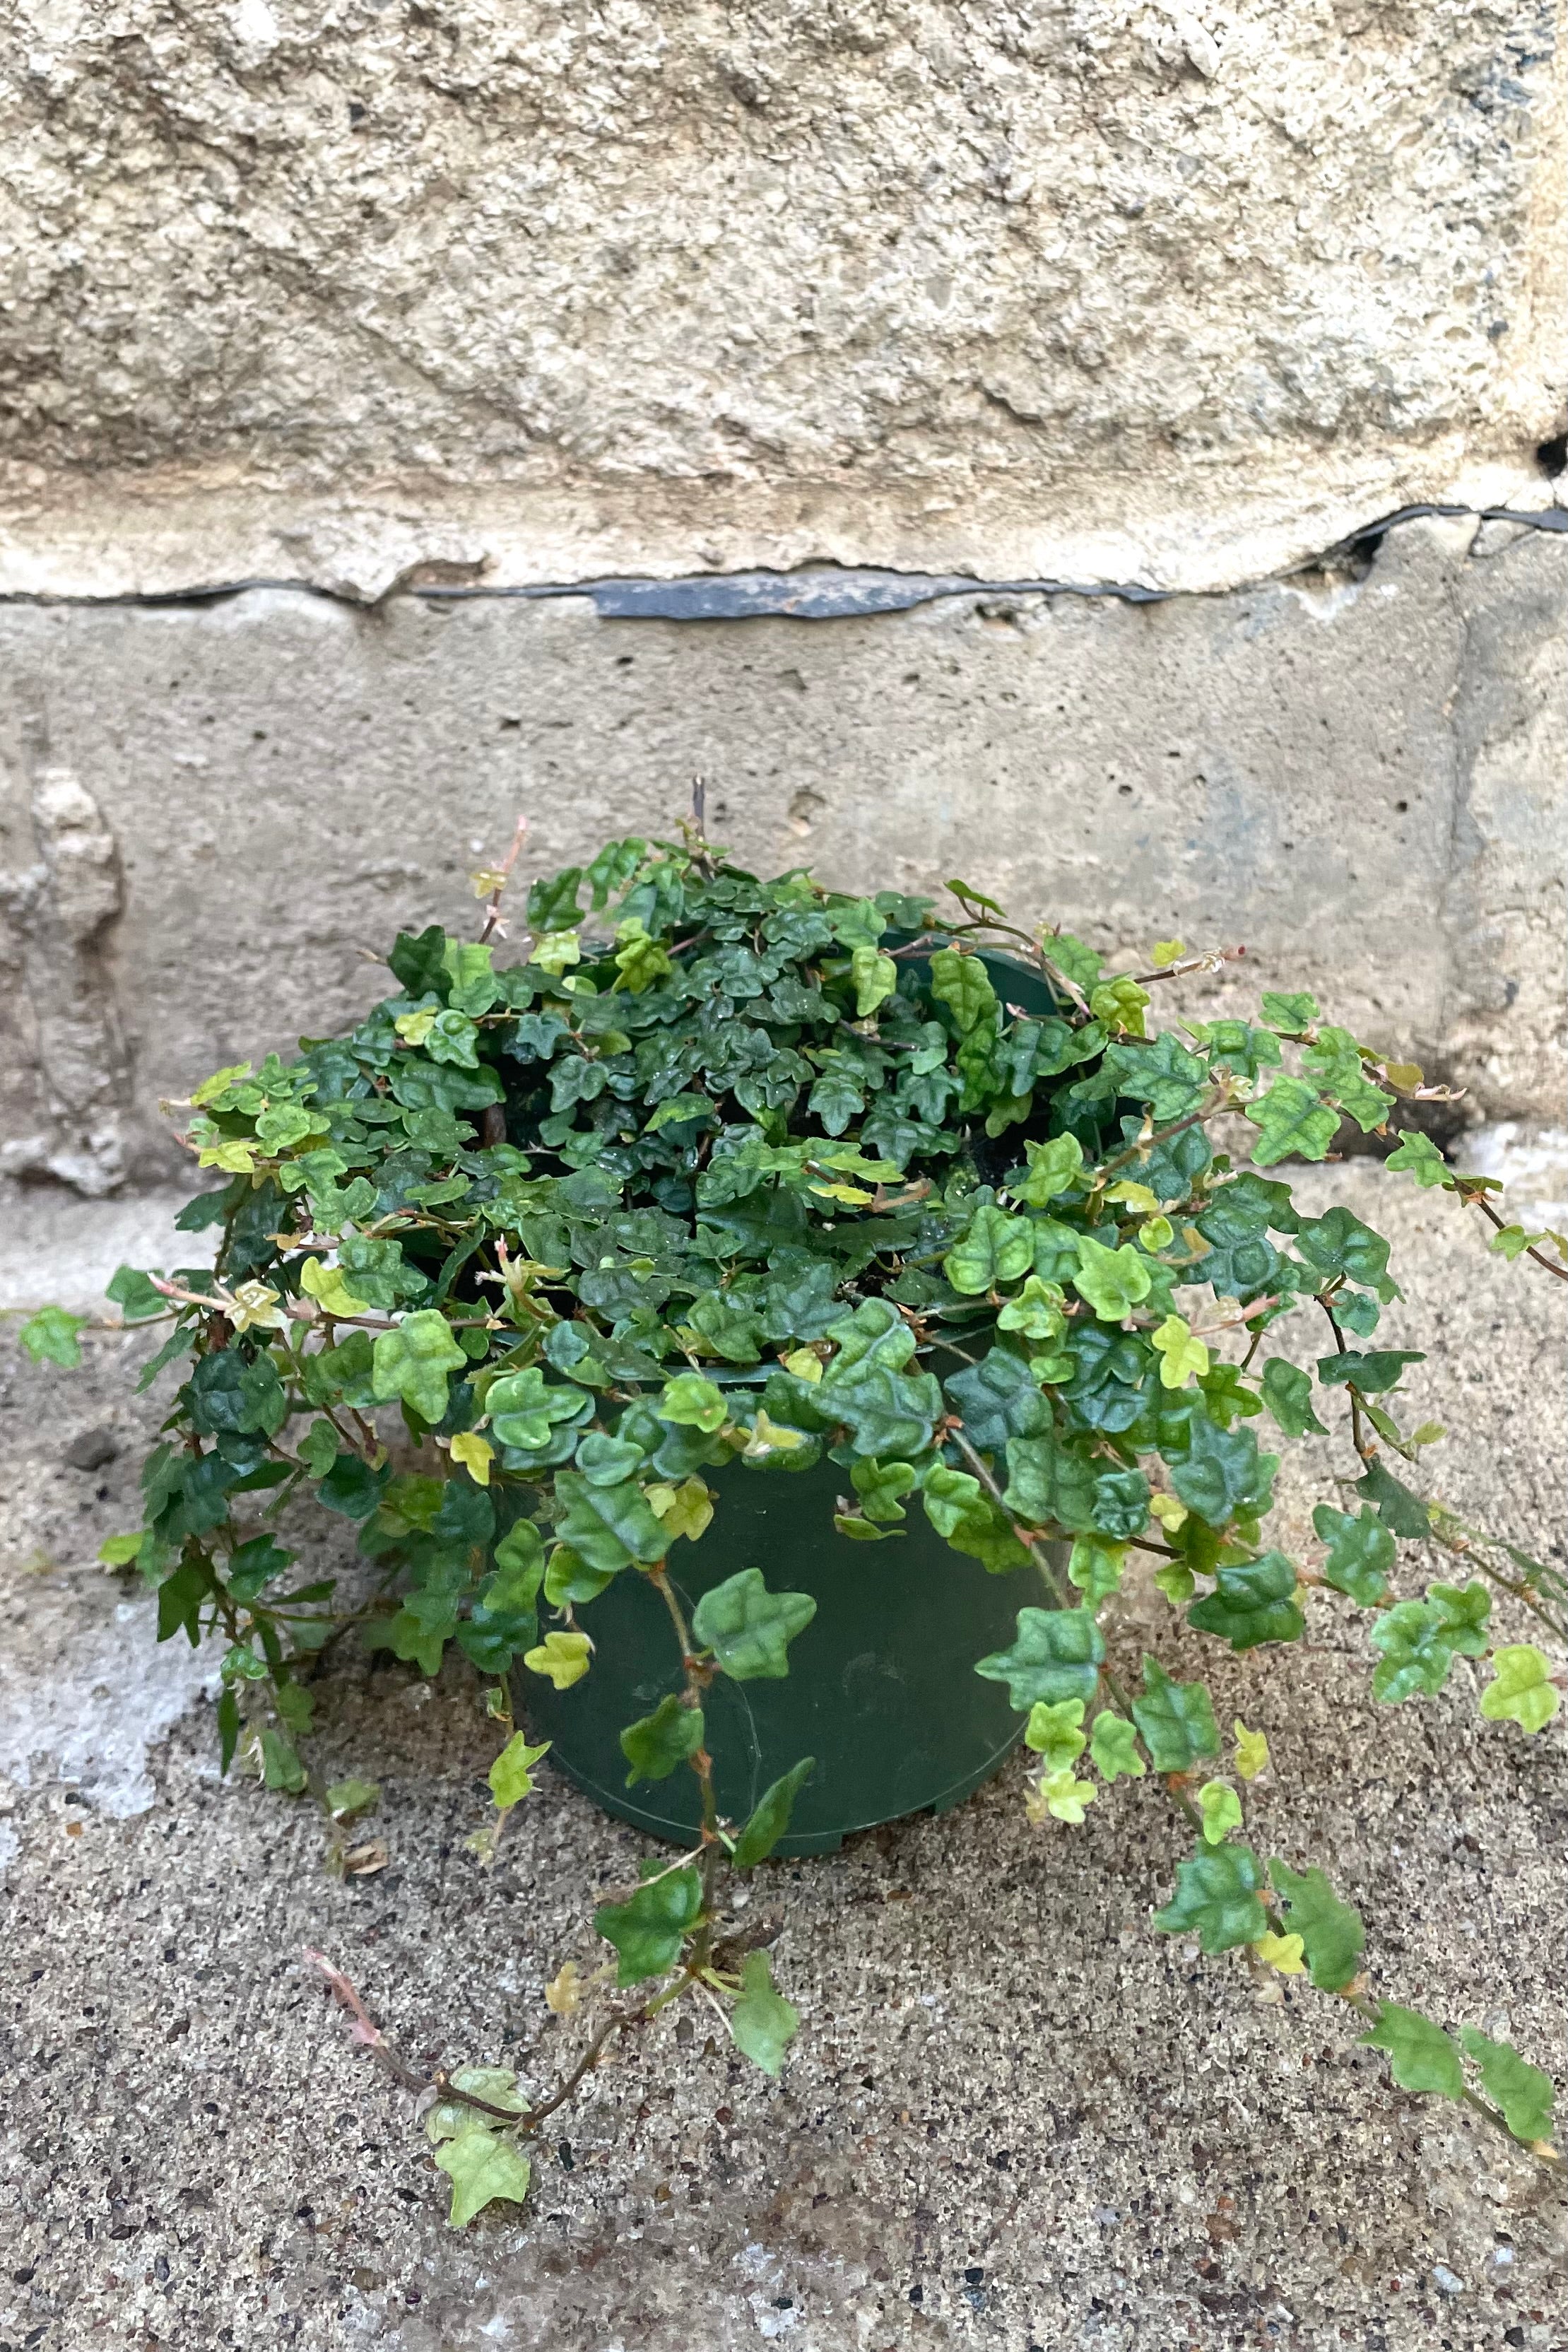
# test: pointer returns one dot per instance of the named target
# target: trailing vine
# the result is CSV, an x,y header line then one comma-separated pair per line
x,y
714,1173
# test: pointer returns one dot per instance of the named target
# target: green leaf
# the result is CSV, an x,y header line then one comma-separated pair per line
x,y
1095,1567
1524,2091
1053,1168
1113,1281
1292,1122
693,1402
1113,1748
998,1399
1375,1374
1421,2056
1419,1157
960,982
655,1744
880,1486
481,2167
561,1657
345,1799
1393,1502
1037,1312
412,1361
762,2021
609,1526
1221,1810
1287,1393
1251,1603
748,1629
1465,1611
966,1517
1414,1654
1521,1690
132,1293
1056,1656
511,1775
771,1816
50,1336
1222,1474
875,977
1338,1243
1053,1732
996,1248
281,1765
1217,1899
1330,1931
1361,1553
649,1930
1176,1720
1289,1013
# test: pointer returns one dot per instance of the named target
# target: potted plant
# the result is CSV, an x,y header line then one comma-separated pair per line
x,y
755,1328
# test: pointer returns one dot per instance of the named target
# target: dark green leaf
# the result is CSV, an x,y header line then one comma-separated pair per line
x,y
1175,1721
1360,1555
771,1816
1056,1656
1330,1931
749,1628
1217,1899
649,1930
656,1744
1252,1603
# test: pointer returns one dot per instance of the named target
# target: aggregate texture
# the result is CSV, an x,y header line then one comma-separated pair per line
x,y
214,819
544,289
1016,2116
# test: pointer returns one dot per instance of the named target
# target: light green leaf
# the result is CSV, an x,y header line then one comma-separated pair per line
x,y
412,1361
481,2167
1053,1732
1037,1312
561,1657
345,1799
693,1402
748,1629
1521,1690
762,2021
1419,1157
875,977
880,1486
960,982
1421,2056
1330,1931
1095,1567
1063,1797
49,1337
655,1744
1217,1898
1113,1748
511,1775
1183,1358
1053,1168
556,950
1251,1750
1221,1810
996,1248
1113,1281
1056,1656
1524,2091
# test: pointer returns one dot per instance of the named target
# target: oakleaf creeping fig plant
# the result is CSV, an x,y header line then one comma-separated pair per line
x,y
699,1177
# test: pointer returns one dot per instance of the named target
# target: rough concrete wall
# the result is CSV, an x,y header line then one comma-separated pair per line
x,y
1360,779
540,290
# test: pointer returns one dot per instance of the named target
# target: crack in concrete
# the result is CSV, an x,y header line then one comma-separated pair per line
x,y
812,591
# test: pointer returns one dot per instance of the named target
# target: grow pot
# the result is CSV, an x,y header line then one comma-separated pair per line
x,y
880,1690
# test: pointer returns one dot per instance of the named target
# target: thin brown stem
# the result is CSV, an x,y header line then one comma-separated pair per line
x,y
504,872
1479,1200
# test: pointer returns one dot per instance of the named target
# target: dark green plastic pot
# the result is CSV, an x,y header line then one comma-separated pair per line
x,y
881,1688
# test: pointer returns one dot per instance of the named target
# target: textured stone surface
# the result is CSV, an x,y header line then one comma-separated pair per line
x,y
1048,288
1016,2116
1361,780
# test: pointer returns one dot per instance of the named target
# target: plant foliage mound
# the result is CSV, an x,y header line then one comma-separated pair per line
x,y
702,1176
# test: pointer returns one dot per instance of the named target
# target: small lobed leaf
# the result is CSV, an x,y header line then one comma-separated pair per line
x,y
1330,1931
1524,2091
1421,2056
1113,1748
1056,1656
1521,1690
770,1818
1175,1720
1221,1810
1053,1733
511,1776
482,2168
762,2022
748,1629
649,1930
1217,1898
657,1743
